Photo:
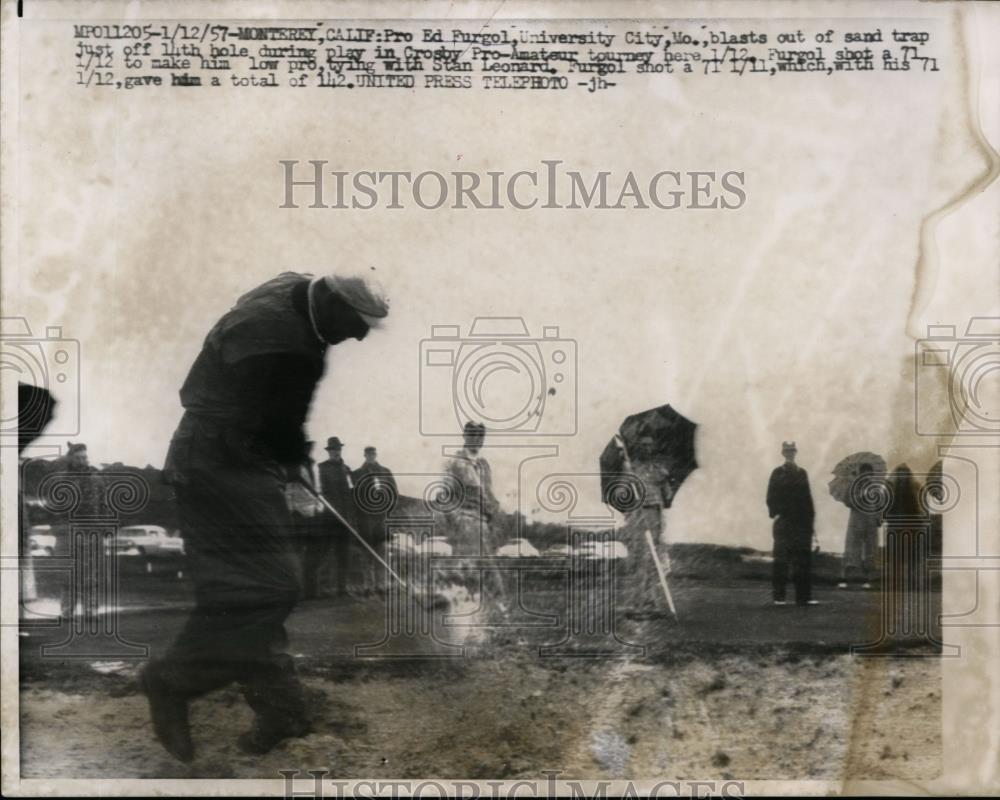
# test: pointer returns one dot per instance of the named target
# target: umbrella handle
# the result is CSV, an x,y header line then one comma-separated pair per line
x,y
621,443
660,573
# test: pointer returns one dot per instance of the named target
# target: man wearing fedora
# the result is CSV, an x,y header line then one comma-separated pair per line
x,y
790,505
239,442
337,486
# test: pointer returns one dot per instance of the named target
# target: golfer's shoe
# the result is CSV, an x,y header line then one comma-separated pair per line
x,y
169,711
842,585
866,586
263,740
779,602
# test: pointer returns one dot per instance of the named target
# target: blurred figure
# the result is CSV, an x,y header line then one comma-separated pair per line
x,y
307,522
468,526
790,505
906,579
375,493
80,595
861,539
643,595
337,486
35,409
246,399
76,459
473,476
935,491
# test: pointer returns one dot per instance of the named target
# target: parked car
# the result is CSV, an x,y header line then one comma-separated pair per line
x,y
558,551
518,548
401,542
609,550
432,546
437,546
147,540
41,540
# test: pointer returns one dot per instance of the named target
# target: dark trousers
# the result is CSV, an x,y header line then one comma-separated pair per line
x,y
341,560
249,648
246,572
794,556
314,548
350,562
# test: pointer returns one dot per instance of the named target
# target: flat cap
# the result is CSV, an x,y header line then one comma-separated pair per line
x,y
363,292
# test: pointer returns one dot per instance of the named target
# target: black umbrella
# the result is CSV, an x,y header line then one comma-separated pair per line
x,y
847,473
671,447
35,407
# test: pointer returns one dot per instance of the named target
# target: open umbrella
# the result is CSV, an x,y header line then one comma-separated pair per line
x,y
660,437
652,451
845,474
35,407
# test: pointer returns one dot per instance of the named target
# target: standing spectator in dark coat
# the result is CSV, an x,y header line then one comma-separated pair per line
x,y
81,595
375,492
790,505
245,402
337,486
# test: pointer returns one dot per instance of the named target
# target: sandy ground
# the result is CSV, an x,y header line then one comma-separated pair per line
x,y
767,713
734,689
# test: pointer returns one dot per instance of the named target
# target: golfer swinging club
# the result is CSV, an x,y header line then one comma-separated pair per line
x,y
241,437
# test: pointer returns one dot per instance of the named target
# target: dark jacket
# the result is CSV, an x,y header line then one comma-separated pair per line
x,y
246,398
375,488
789,502
908,504
248,392
337,486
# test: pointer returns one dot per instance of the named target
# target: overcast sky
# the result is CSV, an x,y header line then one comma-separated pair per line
x,y
141,222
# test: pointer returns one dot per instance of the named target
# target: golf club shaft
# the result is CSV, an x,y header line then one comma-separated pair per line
x,y
340,518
